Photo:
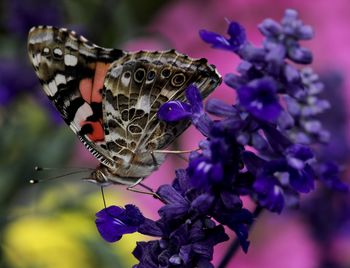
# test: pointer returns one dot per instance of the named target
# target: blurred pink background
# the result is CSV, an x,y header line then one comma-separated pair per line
x,y
276,240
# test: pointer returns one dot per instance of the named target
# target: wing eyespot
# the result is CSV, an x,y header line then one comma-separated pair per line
x,y
127,75
46,51
151,75
166,72
139,75
57,53
178,80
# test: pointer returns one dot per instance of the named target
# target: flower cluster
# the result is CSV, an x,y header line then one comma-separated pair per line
x,y
262,146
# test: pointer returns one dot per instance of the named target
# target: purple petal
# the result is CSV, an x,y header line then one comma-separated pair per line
x,y
113,222
270,27
305,32
331,178
203,203
149,227
291,73
270,195
259,98
297,155
233,43
230,200
233,80
216,40
220,108
173,111
252,162
170,195
185,253
195,99
302,180
300,55
237,35
203,123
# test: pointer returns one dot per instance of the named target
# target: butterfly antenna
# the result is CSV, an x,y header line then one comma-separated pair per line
x,y
75,171
38,168
103,197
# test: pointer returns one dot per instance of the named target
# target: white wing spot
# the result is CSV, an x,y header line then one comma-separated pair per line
x,y
58,52
36,59
115,72
82,113
46,50
125,80
60,79
52,88
70,60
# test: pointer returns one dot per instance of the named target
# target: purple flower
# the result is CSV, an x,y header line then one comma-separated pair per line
x,y
298,155
270,194
173,111
259,98
234,42
206,196
285,36
330,176
276,181
187,233
204,172
113,222
24,15
176,110
10,85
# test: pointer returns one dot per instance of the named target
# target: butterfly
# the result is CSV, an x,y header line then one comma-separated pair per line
x,y
110,98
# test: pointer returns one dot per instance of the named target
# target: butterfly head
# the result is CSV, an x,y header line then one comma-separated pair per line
x,y
105,176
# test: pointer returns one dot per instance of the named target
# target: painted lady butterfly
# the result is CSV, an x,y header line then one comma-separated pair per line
x,y
110,98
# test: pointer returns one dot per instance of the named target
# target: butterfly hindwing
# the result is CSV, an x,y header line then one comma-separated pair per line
x,y
136,86
72,71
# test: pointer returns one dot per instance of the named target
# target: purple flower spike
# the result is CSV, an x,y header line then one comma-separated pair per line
x,y
270,195
259,99
173,111
113,222
195,99
234,43
298,155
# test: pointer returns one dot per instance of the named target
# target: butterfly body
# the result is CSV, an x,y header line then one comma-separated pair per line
x,y
110,98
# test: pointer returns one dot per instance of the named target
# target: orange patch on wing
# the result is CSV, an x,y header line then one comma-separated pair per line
x,y
100,73
97,133
85,88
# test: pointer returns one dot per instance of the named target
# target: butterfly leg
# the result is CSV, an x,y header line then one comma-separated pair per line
x,y
155,163
176,151
148,191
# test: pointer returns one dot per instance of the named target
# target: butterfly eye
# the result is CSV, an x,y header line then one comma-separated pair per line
x,y
151,74
178,79
166,73
46,51
139,75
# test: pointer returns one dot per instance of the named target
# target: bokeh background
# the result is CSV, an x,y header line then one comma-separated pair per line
x,y
51,224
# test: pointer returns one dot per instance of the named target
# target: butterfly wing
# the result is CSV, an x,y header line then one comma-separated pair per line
x,y
136,86
71,70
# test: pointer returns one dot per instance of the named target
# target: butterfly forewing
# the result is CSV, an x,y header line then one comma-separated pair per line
x,y
72,70
136,86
